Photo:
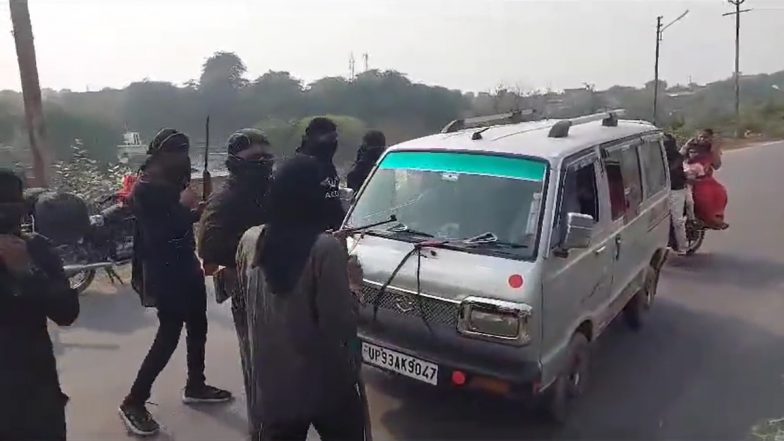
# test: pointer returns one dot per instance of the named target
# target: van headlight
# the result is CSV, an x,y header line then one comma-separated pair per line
x,y
495,320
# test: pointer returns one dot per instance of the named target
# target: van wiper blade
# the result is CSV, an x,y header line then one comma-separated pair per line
x,y
489,239
403,228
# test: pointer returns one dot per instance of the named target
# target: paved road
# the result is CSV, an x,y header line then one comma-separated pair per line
x,y
709,365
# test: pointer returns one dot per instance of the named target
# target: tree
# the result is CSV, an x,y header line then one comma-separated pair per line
x,y
223,69
276,94
220,85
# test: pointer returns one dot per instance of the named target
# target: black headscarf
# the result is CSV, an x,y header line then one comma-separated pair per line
x,y
295,204
248,174
169,141
320,140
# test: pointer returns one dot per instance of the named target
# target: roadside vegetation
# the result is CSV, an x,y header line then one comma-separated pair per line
x,y
280,104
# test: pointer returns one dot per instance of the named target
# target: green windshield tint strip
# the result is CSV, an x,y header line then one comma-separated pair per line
x,y
466,163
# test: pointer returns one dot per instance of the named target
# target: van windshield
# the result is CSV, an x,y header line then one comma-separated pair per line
x,y
490,204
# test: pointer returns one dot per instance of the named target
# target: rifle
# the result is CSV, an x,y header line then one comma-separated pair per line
x,y
206,178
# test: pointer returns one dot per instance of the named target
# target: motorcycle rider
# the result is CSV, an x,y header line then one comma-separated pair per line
x,y
237,207
33,288
679,192
168,276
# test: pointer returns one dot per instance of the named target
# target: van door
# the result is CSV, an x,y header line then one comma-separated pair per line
x,y
575,283
622,165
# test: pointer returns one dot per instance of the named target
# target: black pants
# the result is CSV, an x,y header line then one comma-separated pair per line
x,y
343,421
169,329
37,414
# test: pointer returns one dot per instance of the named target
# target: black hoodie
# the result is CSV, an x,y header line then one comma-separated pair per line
x,y
332,209
366,159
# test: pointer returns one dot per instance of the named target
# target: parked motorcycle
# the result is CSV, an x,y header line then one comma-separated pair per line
x,y
85,242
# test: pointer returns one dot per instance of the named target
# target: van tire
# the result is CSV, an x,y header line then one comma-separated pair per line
x,y
638,306
558,400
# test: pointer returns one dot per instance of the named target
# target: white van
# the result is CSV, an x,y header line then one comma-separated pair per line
x,y
505,249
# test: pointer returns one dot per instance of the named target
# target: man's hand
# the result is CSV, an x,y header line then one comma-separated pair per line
x,y
355,274
189,199
14,255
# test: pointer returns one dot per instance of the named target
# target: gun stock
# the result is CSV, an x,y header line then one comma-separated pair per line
x,y
206,177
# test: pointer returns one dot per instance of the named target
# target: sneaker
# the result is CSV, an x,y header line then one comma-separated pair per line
x,y
138,420
205,394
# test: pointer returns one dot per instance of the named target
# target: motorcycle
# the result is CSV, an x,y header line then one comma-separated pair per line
x,y
695,236
85,243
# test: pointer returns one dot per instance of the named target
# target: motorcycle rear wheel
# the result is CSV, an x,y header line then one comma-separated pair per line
x,y
82,280
695,235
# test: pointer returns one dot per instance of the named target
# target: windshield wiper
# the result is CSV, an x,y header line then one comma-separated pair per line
x,y
403,228
489,239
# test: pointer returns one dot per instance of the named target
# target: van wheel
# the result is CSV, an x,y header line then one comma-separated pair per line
x,y
559,398
635,310
651,287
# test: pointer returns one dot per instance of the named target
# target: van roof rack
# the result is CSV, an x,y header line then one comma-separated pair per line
x,y
513,117
609,119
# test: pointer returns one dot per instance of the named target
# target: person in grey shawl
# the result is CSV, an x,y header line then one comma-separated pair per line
x,y
302,315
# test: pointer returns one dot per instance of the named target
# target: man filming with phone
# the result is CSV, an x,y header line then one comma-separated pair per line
x,y
33,288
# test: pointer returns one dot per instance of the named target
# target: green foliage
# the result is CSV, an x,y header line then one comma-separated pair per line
x,y
281,105
85,177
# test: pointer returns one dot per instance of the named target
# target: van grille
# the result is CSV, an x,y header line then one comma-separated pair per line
x,y
435,311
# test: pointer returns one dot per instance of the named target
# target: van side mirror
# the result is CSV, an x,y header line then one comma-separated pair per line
x,y
579,230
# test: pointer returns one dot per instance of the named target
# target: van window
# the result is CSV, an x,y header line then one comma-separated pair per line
x,y
456,196
579,195
625,182
653,165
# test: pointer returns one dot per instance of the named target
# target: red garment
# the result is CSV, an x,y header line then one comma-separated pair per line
x,y
710,197
127,188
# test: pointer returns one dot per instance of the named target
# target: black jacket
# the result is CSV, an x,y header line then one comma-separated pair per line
x,y
165,266
229,214
366,159
332,210
31,403
675,160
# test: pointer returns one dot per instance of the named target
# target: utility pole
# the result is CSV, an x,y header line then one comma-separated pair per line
x,y
31,90
659,31
656,70
365,56
736,13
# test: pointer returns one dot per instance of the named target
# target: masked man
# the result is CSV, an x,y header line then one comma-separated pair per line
x,y
321,142
373,145
168,276
228,215
33,288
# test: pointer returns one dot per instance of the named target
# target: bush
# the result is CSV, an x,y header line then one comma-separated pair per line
x,y
82,176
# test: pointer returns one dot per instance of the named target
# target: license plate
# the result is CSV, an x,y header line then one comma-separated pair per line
x,y
400,363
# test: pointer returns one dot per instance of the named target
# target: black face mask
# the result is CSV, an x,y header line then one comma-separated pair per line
x,y
322,147
177,173
11,218
248,171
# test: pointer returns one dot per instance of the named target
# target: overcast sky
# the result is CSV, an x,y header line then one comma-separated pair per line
x,y
466,44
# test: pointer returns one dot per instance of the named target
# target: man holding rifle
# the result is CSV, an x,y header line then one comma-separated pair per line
x,y
168,276
237,207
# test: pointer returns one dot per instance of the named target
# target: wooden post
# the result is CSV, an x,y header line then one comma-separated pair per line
x,y
31,91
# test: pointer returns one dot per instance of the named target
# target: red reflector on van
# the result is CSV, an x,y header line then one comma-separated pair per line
x,y
516,281
458,378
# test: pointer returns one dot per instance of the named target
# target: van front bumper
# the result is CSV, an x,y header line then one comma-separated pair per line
x,y
463,363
